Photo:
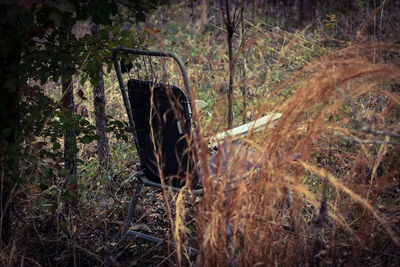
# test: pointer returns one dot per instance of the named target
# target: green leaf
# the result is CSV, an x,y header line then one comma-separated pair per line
x,y
116,30
83,80
56,146
71,179
84,122
63,172
72,150
103,33
43,186
70,195
109,67
86,139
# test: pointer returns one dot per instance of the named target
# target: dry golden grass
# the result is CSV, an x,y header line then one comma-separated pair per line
x,y
339,130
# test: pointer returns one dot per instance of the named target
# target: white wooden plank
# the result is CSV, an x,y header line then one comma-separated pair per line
x,y
252,127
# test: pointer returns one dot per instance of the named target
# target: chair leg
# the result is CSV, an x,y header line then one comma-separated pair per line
x,y
131,211
292,212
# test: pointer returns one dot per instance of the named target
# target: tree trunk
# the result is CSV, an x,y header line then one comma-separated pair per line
x,y
229,29
305,10
9,153
299,10
99,102
190,5
217,20
70,148
230,87
253,11
309,9
243,88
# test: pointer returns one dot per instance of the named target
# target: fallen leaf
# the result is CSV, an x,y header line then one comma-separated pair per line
x,y
81,94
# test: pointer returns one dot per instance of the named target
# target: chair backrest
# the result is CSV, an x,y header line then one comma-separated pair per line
x,y
161,115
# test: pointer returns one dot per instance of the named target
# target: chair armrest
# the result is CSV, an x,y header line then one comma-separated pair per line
x,y
200,104
250,127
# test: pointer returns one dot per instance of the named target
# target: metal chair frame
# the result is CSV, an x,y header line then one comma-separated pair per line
x,y
139,177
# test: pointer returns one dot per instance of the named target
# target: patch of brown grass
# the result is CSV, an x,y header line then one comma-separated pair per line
x,y
340,130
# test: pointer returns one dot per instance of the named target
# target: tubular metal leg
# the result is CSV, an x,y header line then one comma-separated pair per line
x,y
131,211
160,240
293,220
